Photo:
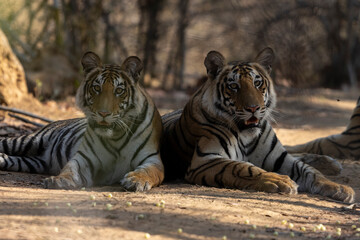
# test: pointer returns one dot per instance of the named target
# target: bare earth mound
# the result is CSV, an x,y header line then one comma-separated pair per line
x,y
30,212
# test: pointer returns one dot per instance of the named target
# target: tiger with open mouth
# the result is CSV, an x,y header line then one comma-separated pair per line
x,y
222,137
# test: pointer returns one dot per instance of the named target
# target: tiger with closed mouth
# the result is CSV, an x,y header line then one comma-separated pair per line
x,y
222,137
117,141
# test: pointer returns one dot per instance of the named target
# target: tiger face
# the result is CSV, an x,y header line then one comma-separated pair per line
x,y
244,90
107,93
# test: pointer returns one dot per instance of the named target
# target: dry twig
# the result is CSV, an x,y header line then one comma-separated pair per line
x,y
15,110
26,120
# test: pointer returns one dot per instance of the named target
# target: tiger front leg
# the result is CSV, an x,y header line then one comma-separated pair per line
x,y
145,176
70,177
209,167
312,181
325,164
240,175
325,187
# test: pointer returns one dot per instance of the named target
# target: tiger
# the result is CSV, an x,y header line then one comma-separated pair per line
x,y
117,142
223,138
345,145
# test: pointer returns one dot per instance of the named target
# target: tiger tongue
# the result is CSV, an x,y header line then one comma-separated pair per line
x,y
104,123
252,120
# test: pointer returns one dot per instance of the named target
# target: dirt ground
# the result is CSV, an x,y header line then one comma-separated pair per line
x,y
183,211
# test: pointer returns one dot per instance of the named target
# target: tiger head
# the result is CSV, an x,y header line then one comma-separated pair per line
x,y
108,92
242,91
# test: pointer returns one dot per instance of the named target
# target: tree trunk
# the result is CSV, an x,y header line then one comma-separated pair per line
x,y
173,77
180,56
149,33
12,80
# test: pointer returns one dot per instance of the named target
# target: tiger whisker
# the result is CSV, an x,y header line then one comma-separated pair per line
x,y
124,125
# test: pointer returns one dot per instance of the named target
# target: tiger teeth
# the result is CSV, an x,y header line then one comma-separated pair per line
x,y
247,122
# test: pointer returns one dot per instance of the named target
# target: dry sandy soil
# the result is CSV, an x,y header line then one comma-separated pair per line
x,y
30,212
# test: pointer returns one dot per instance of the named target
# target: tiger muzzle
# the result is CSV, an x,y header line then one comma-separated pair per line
x,y
252,120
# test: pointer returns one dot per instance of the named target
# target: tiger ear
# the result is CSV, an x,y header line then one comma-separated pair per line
x,y
90,61
133,66
214,63
265,58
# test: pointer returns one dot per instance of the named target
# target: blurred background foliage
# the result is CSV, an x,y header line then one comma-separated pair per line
x,y
316,42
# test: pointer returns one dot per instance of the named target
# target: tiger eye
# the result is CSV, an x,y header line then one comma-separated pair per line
x,y
233,86
119,91
97,88
257,83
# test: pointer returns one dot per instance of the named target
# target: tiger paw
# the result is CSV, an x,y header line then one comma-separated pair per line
x,y
273,183
325,164
334,190
136,181
59,183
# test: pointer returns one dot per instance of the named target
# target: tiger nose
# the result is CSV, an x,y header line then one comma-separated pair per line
x,y
104,113
252,108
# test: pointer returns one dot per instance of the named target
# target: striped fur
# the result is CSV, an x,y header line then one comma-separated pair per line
x,y
222,137
343,145
117,142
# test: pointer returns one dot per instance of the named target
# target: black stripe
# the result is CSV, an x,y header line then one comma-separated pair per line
x,y
60,139
250,171
29,165
213,120
12,161
90,146
221,140
350,133
6,162
202,154
42,163
22,139
107,145
35,161
71,146
150,121
220,108
218,92
218,177
207,165
267,135
342,146
29,144
355,115
19,164
251,150
273,144
141,116
141,146
88,160
293,170
279,161
5,146
40,149
13,145
353,128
